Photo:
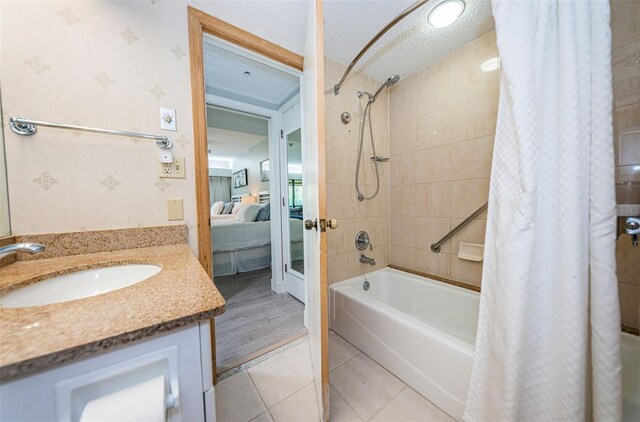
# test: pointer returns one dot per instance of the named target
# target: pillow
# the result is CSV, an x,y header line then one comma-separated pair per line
x,y
236,207
247,213
216,208
265,213
227,208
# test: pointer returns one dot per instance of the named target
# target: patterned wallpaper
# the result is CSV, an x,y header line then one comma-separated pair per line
x,y
95,64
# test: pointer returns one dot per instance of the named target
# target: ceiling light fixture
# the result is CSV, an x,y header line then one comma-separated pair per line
x,y
445,13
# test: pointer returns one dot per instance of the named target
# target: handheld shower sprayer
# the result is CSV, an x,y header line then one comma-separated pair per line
x,y
367,114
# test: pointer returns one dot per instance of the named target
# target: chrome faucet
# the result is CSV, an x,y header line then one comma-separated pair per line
x,y
366,260
32,248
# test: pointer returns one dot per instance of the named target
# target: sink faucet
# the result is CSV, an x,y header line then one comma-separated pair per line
x,y
32,248
366,260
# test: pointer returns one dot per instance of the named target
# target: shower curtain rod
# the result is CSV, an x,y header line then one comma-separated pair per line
x,y
406,12
27,127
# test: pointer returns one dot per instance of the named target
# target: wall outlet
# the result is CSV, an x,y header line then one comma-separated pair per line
x,y
173,170
174,209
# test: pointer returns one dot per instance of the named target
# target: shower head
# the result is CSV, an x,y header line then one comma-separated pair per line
x,y
389,82
392,81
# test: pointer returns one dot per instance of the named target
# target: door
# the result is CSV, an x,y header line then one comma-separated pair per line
x,y
313,173
293,201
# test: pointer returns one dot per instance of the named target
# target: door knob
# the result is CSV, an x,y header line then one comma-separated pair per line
x,y
332,223
311,224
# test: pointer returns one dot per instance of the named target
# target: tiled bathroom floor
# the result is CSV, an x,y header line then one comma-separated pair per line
x,y
281,389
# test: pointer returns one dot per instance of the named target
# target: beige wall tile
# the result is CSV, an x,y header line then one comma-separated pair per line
x,y
433,199
433,164
403,200
456,109
466,271
403,231
474,118
434,87
402,169
626,74
433,263
624,22
402,256
468,195
471,159
402,100
629,303
434,129
467,78
431,229
627,260
402,137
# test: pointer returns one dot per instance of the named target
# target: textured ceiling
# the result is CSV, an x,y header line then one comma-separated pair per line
x,y
350,24
265,86
409,46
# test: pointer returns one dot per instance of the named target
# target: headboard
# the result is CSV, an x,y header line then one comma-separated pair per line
x,y
264,197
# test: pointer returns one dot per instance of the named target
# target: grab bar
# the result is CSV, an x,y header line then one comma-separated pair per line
x,y
406,12
27,127
435,247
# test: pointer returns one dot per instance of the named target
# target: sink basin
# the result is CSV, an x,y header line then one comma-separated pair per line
x,y
78,285
628,199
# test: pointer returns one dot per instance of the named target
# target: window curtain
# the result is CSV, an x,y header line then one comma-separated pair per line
x,y
548,339
219,189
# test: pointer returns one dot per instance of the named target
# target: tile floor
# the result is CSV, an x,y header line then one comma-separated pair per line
x,y
281,389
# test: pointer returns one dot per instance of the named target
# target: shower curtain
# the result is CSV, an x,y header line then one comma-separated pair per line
x,y
548,341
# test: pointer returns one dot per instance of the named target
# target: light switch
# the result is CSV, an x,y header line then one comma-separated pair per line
x,y
167,119
174,209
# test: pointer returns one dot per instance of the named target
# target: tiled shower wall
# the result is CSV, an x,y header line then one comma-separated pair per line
x,y
442,124
342,146
626,92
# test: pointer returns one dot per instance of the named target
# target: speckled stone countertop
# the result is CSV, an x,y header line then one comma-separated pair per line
x,y
37,337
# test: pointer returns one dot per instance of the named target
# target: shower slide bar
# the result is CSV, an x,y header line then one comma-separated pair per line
x,y
406,12
435,247
27,127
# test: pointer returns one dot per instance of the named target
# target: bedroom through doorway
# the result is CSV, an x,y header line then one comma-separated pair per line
x,y
255,188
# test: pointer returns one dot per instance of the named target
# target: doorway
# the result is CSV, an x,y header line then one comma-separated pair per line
x,y
256,229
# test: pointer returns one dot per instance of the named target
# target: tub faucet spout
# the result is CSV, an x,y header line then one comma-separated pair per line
x,y
366,260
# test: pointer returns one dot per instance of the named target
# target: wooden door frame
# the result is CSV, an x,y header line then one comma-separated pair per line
x,y
199,24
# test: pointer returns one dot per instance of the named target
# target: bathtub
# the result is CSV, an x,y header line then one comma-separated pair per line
x,y
631,377
421,330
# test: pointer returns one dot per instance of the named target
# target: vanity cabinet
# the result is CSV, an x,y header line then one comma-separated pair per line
x,y
170,371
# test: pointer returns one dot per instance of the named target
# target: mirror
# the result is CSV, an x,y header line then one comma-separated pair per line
x,y
294,185
5,226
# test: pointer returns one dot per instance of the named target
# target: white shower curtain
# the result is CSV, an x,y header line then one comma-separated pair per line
x,y
548,343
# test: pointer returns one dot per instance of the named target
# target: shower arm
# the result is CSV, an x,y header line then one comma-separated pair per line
x,y
406,12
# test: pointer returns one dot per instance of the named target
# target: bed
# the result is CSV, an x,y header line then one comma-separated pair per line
x,y
246,246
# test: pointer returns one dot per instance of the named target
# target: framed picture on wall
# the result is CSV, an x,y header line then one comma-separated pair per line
x,y
264,170
240,178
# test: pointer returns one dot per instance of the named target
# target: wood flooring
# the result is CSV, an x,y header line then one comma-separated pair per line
x,y
256,319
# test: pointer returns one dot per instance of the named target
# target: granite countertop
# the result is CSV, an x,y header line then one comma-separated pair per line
x,y
37,337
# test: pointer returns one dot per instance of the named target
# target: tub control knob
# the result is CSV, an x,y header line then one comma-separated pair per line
x,y
632,225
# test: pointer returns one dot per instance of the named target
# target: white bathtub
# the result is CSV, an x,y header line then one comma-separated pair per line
x,y
421,330
631,377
